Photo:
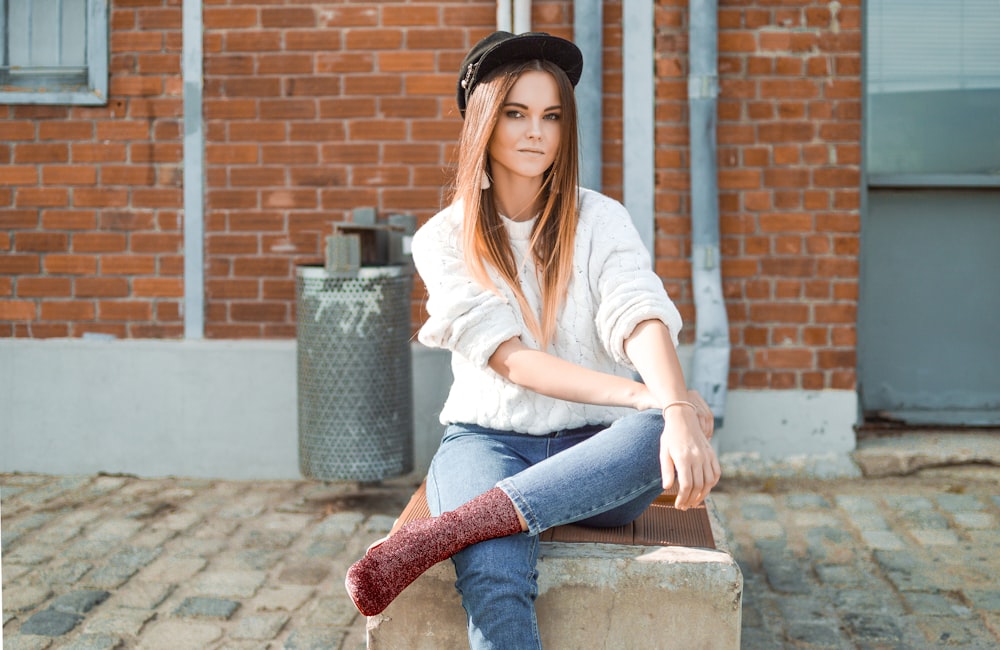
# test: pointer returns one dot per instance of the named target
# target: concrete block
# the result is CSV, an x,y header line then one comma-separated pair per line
x,y
590,596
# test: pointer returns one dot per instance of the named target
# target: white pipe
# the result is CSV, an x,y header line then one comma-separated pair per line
x,y
505,16
588,20
522,16
710,368
194,172
639,134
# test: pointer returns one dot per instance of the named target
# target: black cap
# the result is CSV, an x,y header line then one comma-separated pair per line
x,y
503,47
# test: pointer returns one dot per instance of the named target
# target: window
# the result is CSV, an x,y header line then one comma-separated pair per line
x,y
53,52
933,88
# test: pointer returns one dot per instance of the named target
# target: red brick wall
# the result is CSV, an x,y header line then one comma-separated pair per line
x,y
789,175
91,197
314,108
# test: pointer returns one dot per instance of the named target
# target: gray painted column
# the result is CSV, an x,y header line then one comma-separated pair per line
x,y
639,116
194,174
588,27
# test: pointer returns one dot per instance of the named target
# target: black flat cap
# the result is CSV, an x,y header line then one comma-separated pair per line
x,y
503,47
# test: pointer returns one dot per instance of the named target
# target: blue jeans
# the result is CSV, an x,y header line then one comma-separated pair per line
x,y
601,476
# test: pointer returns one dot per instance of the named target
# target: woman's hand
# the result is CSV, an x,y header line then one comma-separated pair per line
x,y
705,417
686,451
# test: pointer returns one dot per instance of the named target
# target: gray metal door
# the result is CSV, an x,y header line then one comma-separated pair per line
x,y
929,319
929,306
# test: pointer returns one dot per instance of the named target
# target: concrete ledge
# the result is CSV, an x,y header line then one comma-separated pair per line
x,y
895,455
590,596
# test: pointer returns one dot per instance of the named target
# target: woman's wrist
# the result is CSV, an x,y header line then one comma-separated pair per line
x,y
678,404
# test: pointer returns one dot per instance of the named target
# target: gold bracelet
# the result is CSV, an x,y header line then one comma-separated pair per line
x,y
679,402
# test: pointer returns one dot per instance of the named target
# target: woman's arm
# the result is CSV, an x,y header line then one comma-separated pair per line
x,y
549,375
684,445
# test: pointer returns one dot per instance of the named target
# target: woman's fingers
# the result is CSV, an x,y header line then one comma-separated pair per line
x,y
705,417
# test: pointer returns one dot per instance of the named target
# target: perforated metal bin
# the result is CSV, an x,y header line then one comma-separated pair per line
x,y
354,373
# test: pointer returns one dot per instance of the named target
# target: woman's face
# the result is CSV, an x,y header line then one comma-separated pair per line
x,y
526,138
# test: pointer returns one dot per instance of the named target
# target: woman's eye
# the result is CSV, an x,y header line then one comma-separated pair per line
x,y
553,116
514,114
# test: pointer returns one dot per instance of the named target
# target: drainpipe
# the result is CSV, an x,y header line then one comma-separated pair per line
x,y
639,123
710,366
194,173
588,27
514,16
505,16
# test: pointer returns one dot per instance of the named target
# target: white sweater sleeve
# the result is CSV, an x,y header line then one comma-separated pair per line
x,y
628,291
463,317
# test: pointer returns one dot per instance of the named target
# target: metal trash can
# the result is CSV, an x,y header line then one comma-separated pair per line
x,y
354,373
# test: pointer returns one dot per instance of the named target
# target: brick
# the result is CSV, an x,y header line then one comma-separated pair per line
x,y
156,152
124,310
261,266
231,154
67,310
98,152
19,264
128,264
837,313
156,243
97,242
43,287
101,287
70,264
230,108
311,41
19,130
229,17
11,310
786,222
123,130
258,312
313,86
252,87
288,17
274,154
135,86
779,313
284,64
158,287
41,153
257,176
373,84
100,197
254,41
40,242
19,175
157,198
41,197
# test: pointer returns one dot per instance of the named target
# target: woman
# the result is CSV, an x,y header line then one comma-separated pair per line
x,y
545,296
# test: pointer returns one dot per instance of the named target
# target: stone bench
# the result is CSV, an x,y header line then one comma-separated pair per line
x,y
660,582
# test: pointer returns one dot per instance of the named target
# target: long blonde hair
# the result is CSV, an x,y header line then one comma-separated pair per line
x,y
484,236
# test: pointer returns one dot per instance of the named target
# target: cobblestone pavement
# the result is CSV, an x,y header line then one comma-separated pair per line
x,y
95,562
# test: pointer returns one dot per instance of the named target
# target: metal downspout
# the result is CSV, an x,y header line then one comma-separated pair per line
x,y
588,27
639,122
514,16
710,366
194,173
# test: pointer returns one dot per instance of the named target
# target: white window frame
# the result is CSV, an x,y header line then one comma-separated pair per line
x,y
93,92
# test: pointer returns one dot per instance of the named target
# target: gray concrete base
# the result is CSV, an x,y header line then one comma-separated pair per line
x,y
228,409
590,596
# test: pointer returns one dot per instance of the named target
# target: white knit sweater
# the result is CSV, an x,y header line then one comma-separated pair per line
x,y
613,289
